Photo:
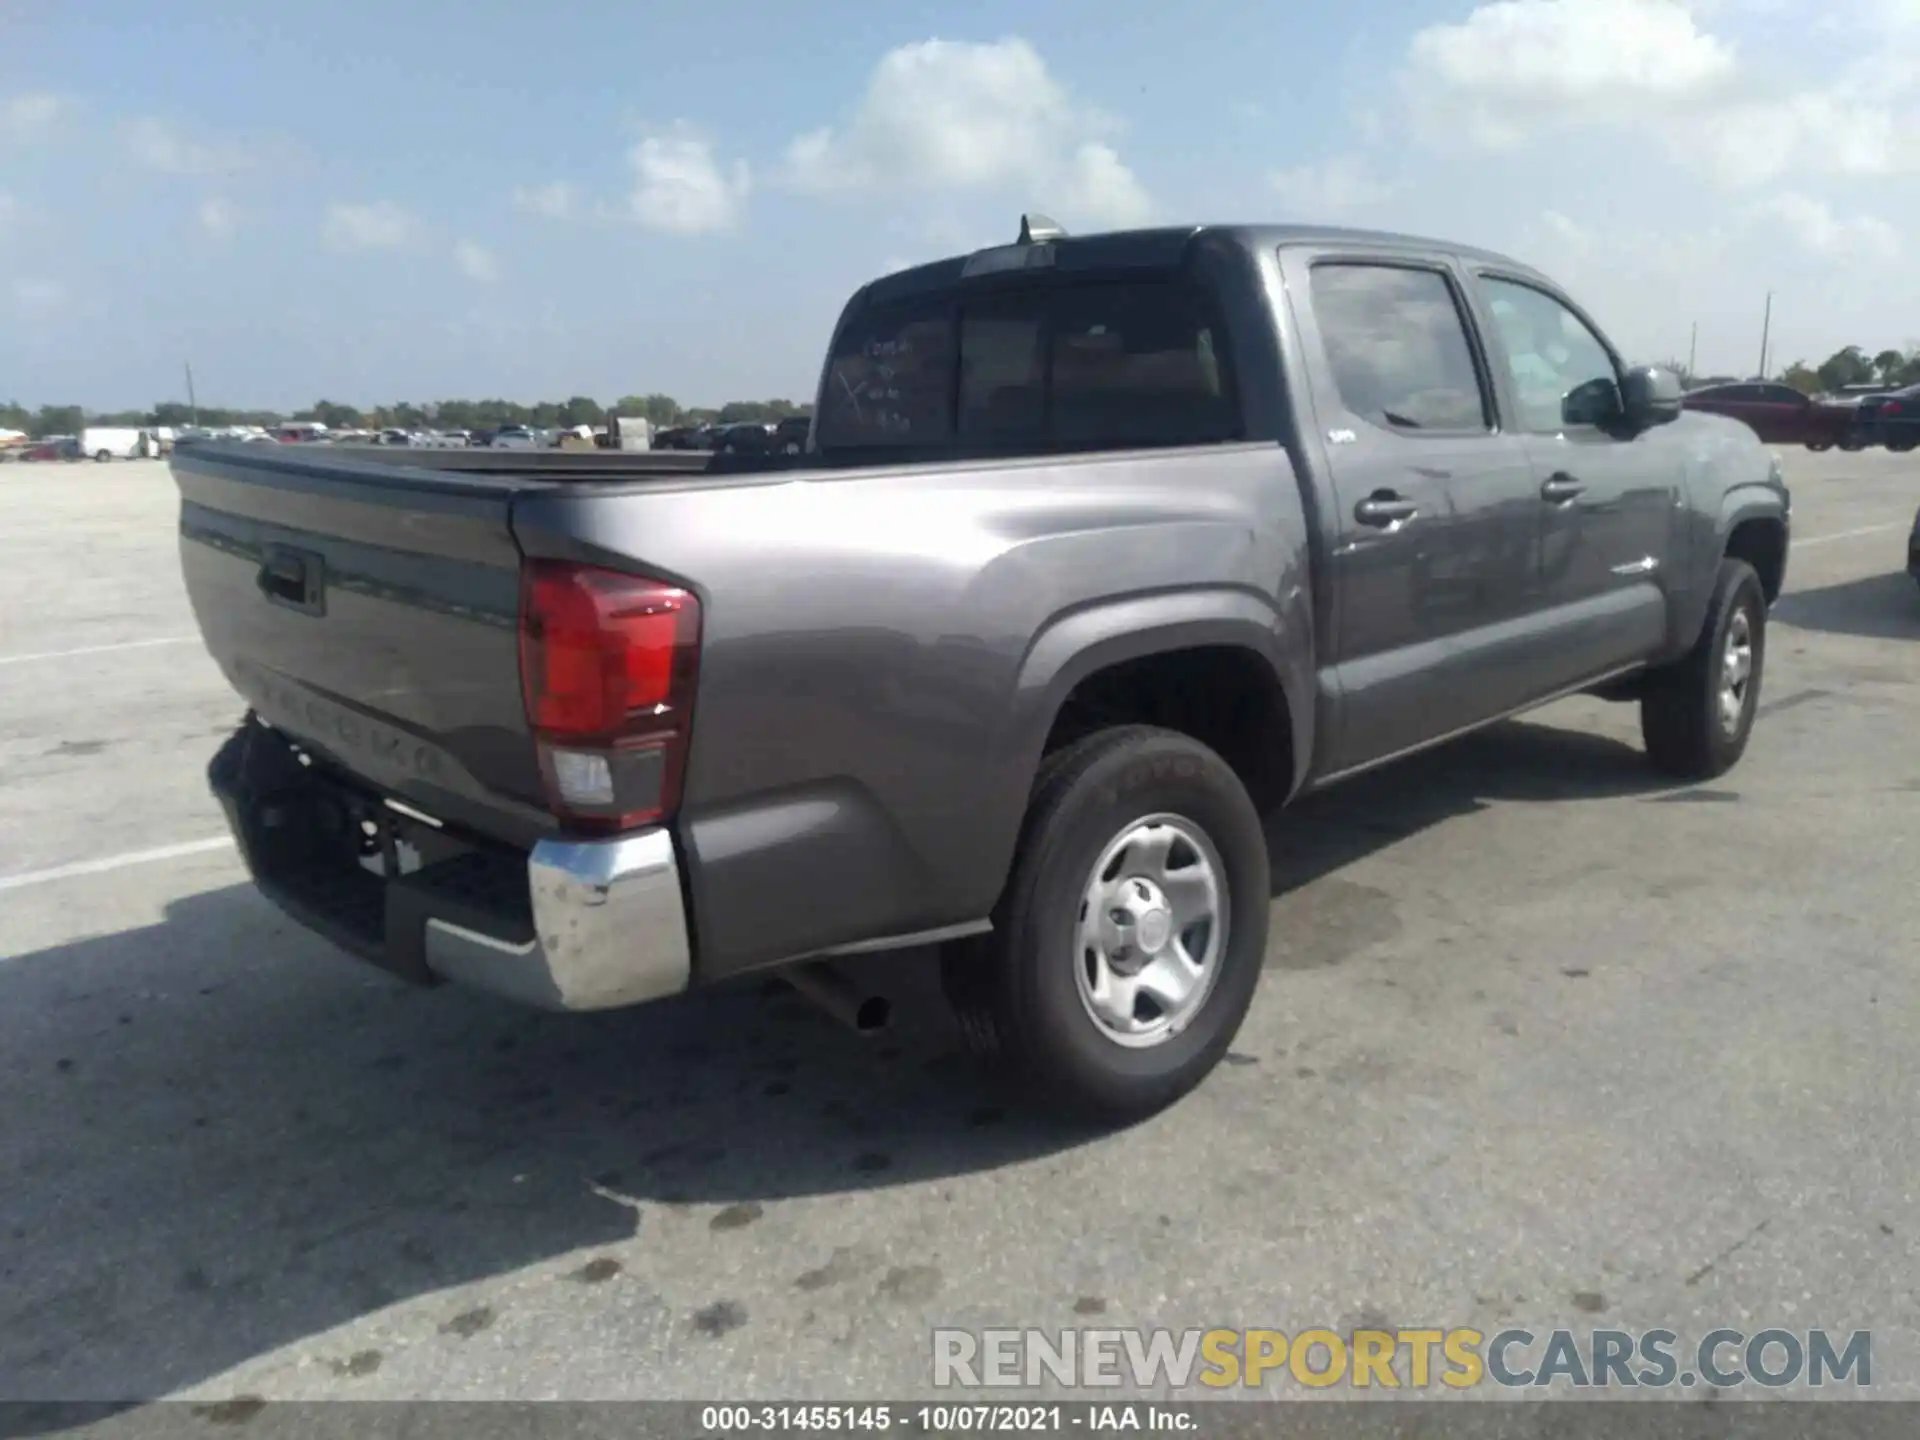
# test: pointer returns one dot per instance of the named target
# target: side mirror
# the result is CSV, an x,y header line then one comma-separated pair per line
x,y
1650,396
1596,402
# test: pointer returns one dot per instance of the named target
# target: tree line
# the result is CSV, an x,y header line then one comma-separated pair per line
x,y
442,415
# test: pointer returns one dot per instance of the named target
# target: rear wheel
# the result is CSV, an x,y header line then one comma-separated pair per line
x,y
101,457
1129,941
1697,714
1852,442
1903,444
1818,445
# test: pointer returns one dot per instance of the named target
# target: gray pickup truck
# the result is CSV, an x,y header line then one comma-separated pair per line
x,y
1100,548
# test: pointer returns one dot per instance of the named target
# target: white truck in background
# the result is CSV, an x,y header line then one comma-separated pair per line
x,y
114,442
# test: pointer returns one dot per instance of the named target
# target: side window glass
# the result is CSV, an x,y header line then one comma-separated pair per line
x,y
1398,347
1561,372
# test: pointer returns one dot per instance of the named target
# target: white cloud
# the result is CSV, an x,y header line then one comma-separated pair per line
x,y
1329,189
381,225
39,294
1513,66
476,262
1518,71
31,113
946,115
555,201
163,146
681,188
1812,225
218,218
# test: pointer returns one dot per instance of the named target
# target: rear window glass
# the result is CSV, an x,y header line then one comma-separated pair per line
x,y
1071,367
891,380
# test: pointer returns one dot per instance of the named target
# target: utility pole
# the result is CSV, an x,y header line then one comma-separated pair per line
x,y
192,404
1766,327
1693,349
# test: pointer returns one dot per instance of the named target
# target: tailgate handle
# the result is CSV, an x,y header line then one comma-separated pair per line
x,y
293,578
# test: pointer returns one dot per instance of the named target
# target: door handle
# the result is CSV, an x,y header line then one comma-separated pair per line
x,y
1383,509
1560,488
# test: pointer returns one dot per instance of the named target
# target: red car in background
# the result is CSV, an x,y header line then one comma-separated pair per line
x,y
1781,415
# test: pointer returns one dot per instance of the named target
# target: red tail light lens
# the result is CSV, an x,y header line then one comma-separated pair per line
x,y
1892,407
607,666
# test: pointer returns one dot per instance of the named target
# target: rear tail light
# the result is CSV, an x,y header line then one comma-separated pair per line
x,y
1890,407
608,663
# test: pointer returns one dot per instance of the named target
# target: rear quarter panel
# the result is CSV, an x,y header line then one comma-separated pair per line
x,y
883,653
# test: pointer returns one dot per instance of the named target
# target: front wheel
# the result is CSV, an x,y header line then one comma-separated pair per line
x,y
1131,935
1851,443
101,457
1697,714
1818,445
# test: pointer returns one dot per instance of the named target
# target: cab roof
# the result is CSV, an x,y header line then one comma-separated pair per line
x,y
1164,248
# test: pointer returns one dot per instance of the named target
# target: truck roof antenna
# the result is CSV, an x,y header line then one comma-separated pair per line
x,y
1035,228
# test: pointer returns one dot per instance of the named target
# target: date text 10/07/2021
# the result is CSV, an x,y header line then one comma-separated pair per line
x,y
946,1419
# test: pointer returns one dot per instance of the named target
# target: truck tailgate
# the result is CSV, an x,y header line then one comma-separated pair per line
x,y
370,611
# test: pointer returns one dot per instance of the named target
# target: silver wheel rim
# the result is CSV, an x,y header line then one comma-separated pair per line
x,y
1151,931
1736,671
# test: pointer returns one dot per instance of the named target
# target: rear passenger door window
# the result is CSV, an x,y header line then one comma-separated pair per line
x,y
1560,371
1397,345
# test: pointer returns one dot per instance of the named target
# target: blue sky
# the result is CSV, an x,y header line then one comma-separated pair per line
x,y
369,202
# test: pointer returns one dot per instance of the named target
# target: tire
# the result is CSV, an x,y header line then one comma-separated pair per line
x,y
1691,731
1024,994
1818,445
1852,443
101,457
1902,445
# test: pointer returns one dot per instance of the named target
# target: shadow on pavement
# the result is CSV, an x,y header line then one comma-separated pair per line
x,y
1882,607
221,1138
1518,760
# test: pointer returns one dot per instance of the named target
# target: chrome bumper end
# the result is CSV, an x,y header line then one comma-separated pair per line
x,y
610,929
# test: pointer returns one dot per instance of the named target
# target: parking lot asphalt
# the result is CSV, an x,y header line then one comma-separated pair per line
x,y
1543,1040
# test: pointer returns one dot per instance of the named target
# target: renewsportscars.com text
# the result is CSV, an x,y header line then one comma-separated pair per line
x,y
1458,1359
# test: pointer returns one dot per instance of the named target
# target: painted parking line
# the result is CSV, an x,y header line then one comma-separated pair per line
x,y
108,863
100,649
1846,535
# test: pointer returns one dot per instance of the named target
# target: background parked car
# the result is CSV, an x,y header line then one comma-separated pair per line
x,y
790,435
751,437
1892,420
1781,415
514,437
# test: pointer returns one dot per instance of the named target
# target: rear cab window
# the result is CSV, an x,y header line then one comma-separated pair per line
x,y
1066,366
